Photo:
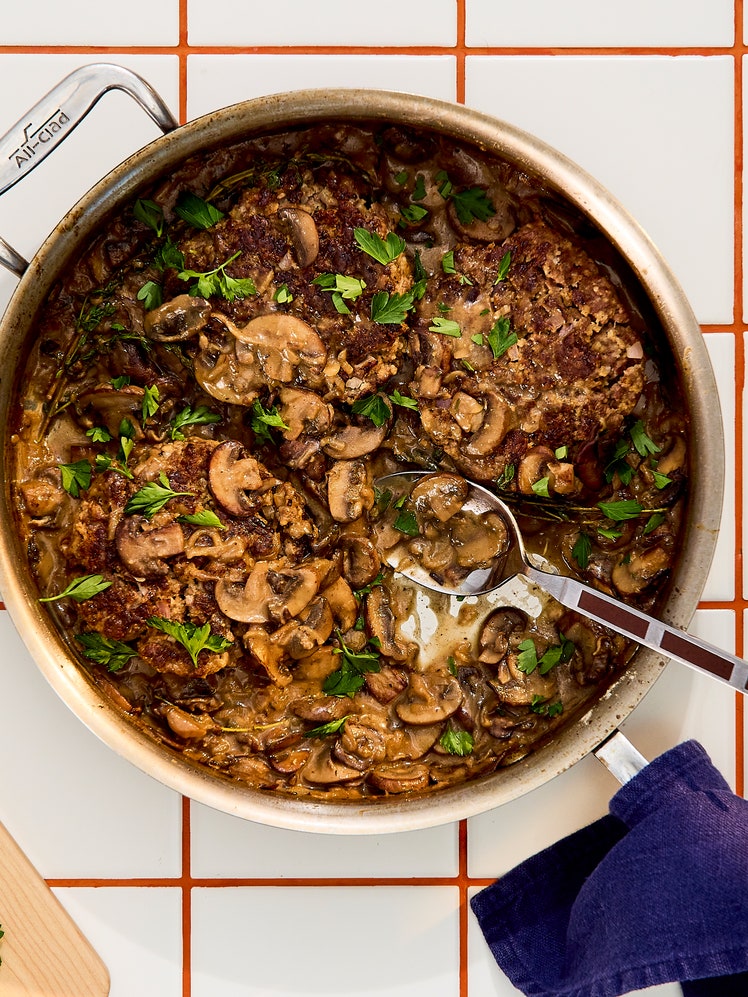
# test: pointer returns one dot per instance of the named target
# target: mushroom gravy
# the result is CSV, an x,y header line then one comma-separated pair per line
x,y
220,378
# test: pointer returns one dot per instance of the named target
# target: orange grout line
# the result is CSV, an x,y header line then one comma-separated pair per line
x,y
464,911
740,360
186,899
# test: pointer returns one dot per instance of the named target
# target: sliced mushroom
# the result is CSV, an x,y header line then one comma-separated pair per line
x,y
429,699
301,636
280,344
361,562
533,467
342,602
400,777
359,745
232,474
300,225
248,601
322,768
211,543
380,622
466,411
349,490
187,725
674,459
497,628
109,406
493,428
143,550
634,574
441,495
262,650
320,709
220,373
353,441
304,413
176,320
293,589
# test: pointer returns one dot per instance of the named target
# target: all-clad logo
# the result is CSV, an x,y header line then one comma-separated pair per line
x,y
35,138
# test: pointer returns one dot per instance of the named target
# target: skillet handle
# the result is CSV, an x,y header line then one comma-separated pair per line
x,y
50,121
620,757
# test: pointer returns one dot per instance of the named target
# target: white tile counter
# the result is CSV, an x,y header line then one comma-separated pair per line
x,y
183,901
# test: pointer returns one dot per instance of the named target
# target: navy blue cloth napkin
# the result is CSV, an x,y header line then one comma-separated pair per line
x,y
654,892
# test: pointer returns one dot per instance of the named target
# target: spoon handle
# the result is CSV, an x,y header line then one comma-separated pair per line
x,y
646,630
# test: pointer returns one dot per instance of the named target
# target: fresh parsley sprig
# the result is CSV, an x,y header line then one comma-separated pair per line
x,y
76,477
342,288
217,283
385,250
197,212
152,497
391,309
81,588
263,420
349,678
113,654
193,639
457,742
199,416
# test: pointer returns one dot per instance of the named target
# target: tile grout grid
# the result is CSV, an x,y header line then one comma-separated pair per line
x,y
185,882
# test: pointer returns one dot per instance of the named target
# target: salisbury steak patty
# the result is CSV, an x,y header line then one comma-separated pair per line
x,y
574,369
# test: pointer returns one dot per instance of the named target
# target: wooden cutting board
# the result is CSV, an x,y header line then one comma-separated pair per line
x,y
44,954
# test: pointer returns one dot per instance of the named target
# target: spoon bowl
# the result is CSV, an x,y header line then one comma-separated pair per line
x,y
513,560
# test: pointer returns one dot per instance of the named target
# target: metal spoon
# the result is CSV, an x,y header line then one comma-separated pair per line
x,y
638,626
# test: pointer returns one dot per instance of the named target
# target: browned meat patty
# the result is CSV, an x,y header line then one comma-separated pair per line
x,y
574,371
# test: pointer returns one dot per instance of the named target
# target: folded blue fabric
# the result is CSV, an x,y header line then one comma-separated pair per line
x,y
654,892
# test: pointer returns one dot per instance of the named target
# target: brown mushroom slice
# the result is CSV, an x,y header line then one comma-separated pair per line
x,y
429,698
673,459
400,777
304,413
361,563
187,725
496,631
349,490
479,540
292,590
211,543
281,344
109,406
301,636
441,495
272,657
635,573
320,709
245,602
493,428
533,467
521,689
325,770
466,411
301,227
176,320
352,441
224,378
342,602
359,745
232,473
380,623
143,549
